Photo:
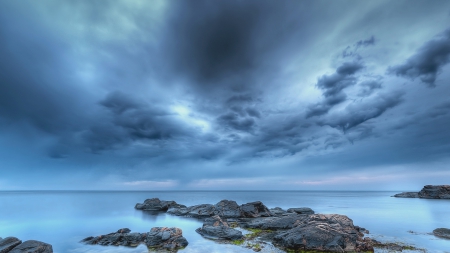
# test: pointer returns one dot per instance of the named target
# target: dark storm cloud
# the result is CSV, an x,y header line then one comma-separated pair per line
x,y
428,61
364,43
352,51
369,87
332,86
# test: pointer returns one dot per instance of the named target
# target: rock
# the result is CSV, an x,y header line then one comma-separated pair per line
x,y
442,232
435,192
324,232
216,228
255,209
167,238
277,211
301,210
8,244
158,237
407,195
32,246
227,209
155,204
178,210
275,223
201,211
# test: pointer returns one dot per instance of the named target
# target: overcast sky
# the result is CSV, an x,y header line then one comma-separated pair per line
x,y
199,95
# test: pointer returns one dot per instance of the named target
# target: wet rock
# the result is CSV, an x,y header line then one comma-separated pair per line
x,y
324,232
216,228
178,210
301,210
435,192
442,232
255,209
277,211
407,195
166,238
33,246
155,204
227,209
275,223
201,211
158,237
8,244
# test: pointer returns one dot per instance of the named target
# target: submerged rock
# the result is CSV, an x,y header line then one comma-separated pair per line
x,y
216,228
8,244
442,232
32,246
324,232
407,195
158,237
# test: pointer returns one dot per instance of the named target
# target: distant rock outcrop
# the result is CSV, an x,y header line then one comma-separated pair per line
x,y
158,237
442,232
428,192
14,245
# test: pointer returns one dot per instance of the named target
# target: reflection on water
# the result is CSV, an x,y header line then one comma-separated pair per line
x,y
64,218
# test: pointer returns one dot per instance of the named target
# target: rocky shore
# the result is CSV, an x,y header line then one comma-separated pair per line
x,y
15,245
428,192
170,239
294,229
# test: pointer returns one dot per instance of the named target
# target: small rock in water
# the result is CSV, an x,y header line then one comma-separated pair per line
x,y
301,210
442,232
216,228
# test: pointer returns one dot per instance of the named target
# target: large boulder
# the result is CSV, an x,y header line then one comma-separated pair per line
x,y
255,209
201,211
216,228
442,232
166,238
301,210
435,192
155,204
227,209
8,244
275,223
324,232
32,246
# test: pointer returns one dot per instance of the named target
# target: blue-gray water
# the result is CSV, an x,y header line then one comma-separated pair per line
x,y
63,218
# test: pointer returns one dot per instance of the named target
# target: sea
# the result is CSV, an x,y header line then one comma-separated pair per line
x,y
64,218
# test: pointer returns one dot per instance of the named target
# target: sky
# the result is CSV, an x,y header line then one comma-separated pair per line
x,y
224,95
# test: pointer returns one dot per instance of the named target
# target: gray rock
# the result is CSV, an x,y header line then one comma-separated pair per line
x,y
227,209
442,232
407,195
216,228
329,232
277,211
435,192
33,246
301,210
178,210
155,204
255,209
275,223
201,211
8,244
166,238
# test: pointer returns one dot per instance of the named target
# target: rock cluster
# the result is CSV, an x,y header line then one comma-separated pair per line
x,y
428,192
158,237
292,229
14,245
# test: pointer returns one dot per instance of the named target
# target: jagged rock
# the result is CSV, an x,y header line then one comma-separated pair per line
x,y
255,209
275,223
178,211
301,210
167,238
435,192
158,237
8,244
277,211
216,228
442,232
407,195
201,211
155,204
227,209
32,246
324,232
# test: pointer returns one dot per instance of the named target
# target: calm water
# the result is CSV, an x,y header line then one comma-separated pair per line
x,y
64,218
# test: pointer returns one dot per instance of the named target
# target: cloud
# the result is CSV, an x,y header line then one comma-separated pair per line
x,y
368,87
428,61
